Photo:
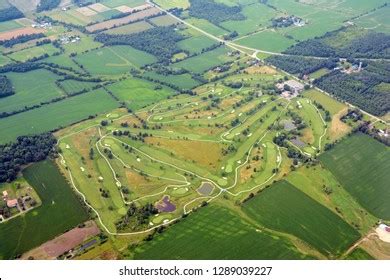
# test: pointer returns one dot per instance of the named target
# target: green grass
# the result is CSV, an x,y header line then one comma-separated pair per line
x,y
60,211
215,232
137,93
195,44
114,60
73,86
267,41
377,21
204,61
58,114
359,254
284,208
183,81
207,26
9,25
330,104
164,20
31,88
33,52
361,164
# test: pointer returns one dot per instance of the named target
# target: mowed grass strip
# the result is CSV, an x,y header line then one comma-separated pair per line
x,y
215,232
55,115
362,164
285,208
60,211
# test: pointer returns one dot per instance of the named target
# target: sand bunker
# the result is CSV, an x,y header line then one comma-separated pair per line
x,y
383,232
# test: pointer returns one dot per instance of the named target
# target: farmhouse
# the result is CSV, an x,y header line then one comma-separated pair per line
x,y
295,86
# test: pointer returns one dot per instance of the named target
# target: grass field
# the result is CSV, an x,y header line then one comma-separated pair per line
x,y
33,52
205,61
216,233
138,93
60,211
195,44
114,60
361,164
116,3
183,81
164,20
31,88
284,208
359,254
74,86
9,25
267,41
58,114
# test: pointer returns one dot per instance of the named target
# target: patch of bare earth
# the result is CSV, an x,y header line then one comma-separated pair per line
x,y
63,243
125,20
18,32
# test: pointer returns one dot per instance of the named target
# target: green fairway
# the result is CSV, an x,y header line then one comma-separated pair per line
x,y
137,93
215,232
58,114
60,211
361,164
284,208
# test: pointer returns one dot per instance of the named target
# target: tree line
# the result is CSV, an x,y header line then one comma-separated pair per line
x,y
20,39
10,13
6,88
47,5
26,149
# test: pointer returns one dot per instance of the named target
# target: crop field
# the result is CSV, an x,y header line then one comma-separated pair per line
x,y
205,61
267,40
31,88
227,236
114,60
361,165
130,28
138,93
30,53
284,208
195,44
184,81
184,142
9,25
57,114
59,203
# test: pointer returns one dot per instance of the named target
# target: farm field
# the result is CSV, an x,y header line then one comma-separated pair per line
x,y
30,89
113,60
232,238
282,203
59,203
361,165
138,93
58,114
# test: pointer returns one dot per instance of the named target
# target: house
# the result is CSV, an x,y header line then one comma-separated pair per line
x,y
12,203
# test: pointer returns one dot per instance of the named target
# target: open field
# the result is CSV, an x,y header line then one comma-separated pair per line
x,y
130,28
138,93
57,114
216,233
114,60
283,207
361,165
31,88
267,41
58,204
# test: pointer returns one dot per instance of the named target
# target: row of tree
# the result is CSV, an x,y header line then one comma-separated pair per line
x,y
6,88
20,39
